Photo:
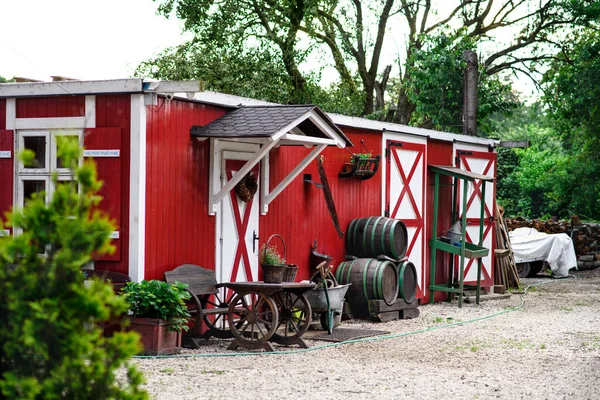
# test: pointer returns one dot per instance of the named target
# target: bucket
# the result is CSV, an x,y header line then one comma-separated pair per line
x,y
371,279
374,236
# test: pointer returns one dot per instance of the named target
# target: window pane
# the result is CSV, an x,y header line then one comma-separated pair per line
x,y
59,161
37,144
31,187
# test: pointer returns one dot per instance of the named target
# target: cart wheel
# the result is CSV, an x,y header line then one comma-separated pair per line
x,y
216,308
255,321
523,269
294,317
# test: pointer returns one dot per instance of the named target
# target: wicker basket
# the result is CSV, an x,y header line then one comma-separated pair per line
x,y
278,273
289,275
273,273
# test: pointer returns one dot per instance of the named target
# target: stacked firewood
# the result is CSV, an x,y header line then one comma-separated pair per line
x,y
505,272
586,237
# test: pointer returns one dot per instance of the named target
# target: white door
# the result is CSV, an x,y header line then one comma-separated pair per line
x,y
483,163
239,226
405,188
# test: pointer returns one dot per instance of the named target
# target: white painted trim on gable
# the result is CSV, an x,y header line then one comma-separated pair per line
x,y
50,123
90,111
255,159
318,121
11,113
293,138
24,89
137,187
266,200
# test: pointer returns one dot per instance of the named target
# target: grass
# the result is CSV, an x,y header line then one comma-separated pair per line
x,y
213,371
518,344
167,370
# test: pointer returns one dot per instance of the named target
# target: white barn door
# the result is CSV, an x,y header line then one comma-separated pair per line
x,y
239,226
406,175
483,163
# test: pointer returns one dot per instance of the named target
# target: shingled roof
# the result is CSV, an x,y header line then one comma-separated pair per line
x,y
265,121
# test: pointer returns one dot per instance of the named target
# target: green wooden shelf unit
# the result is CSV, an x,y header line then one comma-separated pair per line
x,y
465,250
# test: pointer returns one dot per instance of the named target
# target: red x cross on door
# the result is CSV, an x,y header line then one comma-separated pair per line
x,y
483,163
244,216
405,188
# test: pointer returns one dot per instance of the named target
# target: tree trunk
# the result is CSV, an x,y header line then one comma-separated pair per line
x,y
470,94
369,98
380,88
404,109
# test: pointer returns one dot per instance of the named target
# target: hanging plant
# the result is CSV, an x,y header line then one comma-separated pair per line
x,y
247,187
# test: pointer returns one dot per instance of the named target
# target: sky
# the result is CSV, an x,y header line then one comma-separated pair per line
x,y
102,39
81,39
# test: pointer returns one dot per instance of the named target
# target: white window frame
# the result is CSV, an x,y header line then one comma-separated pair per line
x,y
23,174
21,146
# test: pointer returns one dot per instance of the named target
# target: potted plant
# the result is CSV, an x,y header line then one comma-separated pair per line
x,y
159,314
275,270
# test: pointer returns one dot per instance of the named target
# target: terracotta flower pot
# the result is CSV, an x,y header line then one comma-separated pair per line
x,y
156,337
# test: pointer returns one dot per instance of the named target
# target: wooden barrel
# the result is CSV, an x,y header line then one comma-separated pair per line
x,y
407,281
371,279
374,236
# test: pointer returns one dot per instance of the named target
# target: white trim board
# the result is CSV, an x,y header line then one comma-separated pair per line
x,y
25,89
137,189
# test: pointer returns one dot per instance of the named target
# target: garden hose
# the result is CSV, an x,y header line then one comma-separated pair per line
x,y
361,340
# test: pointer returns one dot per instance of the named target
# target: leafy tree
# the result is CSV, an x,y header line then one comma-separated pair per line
x,y
354,32
231,69
437,85
572,94
253,72
50,344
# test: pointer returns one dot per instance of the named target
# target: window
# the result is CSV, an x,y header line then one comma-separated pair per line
x,y
37,177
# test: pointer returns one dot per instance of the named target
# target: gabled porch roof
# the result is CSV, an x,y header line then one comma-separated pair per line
x,y
267,126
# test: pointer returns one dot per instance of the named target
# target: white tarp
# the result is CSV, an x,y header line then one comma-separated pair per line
x,y
557,249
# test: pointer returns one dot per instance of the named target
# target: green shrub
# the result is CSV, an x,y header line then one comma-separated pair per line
x,y
51,346
157,299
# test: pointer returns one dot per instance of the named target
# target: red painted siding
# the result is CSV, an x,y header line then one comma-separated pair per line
x,y
6,172
438,153
2,113
114,111
109,170
178,227
50,107
300,213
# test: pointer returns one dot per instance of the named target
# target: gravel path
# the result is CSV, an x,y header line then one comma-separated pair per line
x,y
549,349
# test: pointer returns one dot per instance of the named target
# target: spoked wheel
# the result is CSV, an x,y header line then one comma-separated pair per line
x,y
523,269
294,317
254,323
215,309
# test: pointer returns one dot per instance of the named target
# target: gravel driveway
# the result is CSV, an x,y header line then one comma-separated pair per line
x,y
548,349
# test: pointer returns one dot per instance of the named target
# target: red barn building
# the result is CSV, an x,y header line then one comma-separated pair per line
x,y
170,165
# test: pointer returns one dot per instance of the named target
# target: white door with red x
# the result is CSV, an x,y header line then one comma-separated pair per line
x,y
483,163
406,174
237,247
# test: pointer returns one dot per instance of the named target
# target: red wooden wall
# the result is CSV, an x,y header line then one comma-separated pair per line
x,y
49,107
178,227
438,153
2,113
114,111
300,213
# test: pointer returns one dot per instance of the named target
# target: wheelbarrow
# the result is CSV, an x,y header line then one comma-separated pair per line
x,y
327,302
